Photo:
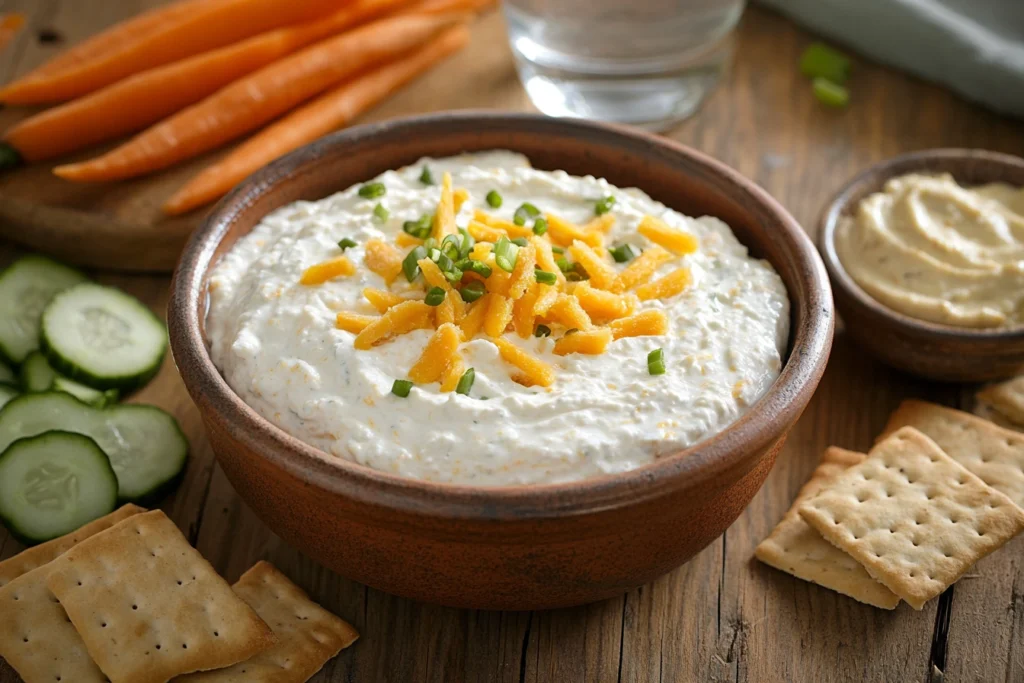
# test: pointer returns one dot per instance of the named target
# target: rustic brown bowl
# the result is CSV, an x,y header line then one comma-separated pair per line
x,y
930,350
517,547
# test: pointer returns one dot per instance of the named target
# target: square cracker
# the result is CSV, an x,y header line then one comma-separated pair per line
x,y
1007,398
149,607
914,517
36,637
796,548
308,636
37,556
993,454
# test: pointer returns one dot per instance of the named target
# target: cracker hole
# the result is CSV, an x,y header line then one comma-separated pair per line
x,y
158,646
135,607
179,582
184,646
216,634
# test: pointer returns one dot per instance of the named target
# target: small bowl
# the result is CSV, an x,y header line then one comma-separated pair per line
x,y
930,350
516,547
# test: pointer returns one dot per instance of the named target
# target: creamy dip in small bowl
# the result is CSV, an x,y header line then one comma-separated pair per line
x,y
926,256
588,533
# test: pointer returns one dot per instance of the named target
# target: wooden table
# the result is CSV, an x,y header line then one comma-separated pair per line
x,y
722,617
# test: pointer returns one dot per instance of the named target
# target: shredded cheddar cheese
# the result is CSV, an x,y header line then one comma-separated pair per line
x,y
328,270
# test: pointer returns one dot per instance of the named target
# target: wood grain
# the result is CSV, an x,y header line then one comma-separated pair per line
x,y
722,617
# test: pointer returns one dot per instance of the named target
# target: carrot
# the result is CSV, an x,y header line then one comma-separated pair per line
x,y
211,24
328,112
252,101
10,24
143,99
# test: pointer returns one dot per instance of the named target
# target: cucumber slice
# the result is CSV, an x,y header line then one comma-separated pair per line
x,y
102,337
26,286
146,447
93,397
7,375
54,483
8,392
36,373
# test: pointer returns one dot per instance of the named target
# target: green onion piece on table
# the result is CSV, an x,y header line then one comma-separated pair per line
x,y
821,61
494,199
466,382
829,93
372,190
656,362
401,388
345,243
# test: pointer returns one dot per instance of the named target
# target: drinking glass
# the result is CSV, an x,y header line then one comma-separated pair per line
x,y
648,63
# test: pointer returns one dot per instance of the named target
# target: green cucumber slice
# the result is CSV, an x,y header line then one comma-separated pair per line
x,y
54,483
7,375
8,392
26,287
36,373
102,337
146,447
93,397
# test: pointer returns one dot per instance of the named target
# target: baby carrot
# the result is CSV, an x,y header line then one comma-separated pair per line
x,y
328,112
209,25
256,99
145,98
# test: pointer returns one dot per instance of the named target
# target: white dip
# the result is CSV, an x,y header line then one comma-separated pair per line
x,y
276,343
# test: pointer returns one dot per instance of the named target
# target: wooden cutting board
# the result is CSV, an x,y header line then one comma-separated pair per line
x,y
119,226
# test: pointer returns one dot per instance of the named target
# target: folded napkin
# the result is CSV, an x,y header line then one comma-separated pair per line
x,y
975,47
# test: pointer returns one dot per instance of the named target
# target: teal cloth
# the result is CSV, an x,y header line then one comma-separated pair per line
x,y
975,47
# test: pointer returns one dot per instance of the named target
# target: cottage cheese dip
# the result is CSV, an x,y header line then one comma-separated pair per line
x,y
278,344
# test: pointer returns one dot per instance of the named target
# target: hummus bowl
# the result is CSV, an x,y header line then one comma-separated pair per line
x,y
927,349
517,546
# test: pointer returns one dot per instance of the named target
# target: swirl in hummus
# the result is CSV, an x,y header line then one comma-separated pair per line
x,y
931,249
475,320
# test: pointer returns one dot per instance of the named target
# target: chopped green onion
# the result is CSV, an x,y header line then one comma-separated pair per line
x,y
542,331
434,297
623,253
525,212
544,277
494,199
478,267
540,226
381,212
468,242
409,264
829,93
434,254
372,190
558,250
604,205
429,243
419,228
656,362
346,242
505,254
519,241
563,264
426,177
473,291
466,382
822,61
452,246
401,388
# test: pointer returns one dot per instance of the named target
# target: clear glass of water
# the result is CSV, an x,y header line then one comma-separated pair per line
x,y
648,63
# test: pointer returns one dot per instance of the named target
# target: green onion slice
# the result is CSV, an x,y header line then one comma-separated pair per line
x,y
410,265
544,277
419,228
542,331
525,212
563,264
821,61
434,297
624,253
494,199
346,242
830,94
372,190
452,246
381,212
426,177
656,362
519,241
557,249
505,254
468,242
478,267
540,226
604,205
466,382
401,388
473,291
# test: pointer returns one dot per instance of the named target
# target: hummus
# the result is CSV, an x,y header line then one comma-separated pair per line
x,y
933,250
281,346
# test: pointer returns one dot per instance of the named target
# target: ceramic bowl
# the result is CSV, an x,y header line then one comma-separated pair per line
x,y
929,350
517,547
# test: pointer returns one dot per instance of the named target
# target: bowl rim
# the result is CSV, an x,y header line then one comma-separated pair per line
x,y
872,179
756,430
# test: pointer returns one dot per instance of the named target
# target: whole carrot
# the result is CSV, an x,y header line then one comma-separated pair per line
x,y
210,24
254,100
143,99
321,116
